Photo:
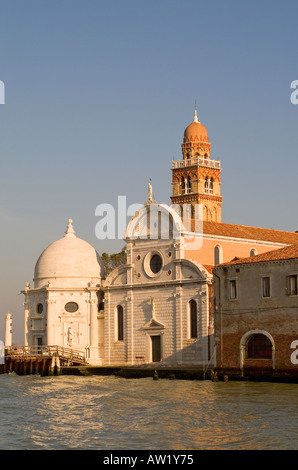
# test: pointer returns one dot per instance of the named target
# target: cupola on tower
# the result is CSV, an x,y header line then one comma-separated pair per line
x,y
196,178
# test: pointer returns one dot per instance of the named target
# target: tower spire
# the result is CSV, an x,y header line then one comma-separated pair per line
x,y
196,178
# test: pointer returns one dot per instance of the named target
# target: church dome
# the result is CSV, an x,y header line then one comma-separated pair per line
x,y
68,262
196,132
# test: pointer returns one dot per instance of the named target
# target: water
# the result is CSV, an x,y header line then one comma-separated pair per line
x,y
106,413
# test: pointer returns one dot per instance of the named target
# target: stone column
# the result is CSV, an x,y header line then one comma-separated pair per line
x,y
107,327
50,322
26,326
129,328
8,331
178,311
93,324
94,351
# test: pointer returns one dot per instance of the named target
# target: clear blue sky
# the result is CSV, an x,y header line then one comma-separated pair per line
x,y
98,95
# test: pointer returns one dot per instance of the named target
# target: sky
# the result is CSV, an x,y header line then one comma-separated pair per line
x,y
98,95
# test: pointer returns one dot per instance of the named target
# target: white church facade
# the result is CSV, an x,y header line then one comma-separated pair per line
x,y
153,309
156,306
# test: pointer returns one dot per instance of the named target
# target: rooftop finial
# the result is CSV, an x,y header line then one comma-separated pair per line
x,y
195,119
70,231
150,194
150,191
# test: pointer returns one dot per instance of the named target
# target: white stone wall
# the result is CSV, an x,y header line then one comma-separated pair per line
x,y
133,286
171,312
56,326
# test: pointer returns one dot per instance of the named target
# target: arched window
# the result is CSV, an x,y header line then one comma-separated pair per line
x,y
183,185
211,185
120,323
193,319
188,184
217,255
259,347
253,252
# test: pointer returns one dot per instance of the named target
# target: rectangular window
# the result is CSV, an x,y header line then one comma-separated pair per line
x,y
193,319
120,323
266,286
233,289
292,284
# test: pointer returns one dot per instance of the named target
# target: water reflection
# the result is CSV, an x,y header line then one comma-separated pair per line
x,y
114,413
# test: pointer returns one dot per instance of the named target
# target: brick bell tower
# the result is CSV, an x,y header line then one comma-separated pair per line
x,y
196,178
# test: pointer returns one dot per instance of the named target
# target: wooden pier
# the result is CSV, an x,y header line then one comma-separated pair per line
x,y
42,360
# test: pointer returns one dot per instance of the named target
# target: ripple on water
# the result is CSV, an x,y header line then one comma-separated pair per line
x,y
114,413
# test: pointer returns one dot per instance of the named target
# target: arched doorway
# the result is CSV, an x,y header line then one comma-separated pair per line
x,y
257,350
258,346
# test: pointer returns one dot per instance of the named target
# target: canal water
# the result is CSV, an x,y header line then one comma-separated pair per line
x,y
106,413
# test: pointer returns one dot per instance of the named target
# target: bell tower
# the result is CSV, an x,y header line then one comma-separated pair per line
x,y
196,178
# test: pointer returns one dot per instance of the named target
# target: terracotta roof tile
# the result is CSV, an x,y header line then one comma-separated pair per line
x,y
289,252
250,233
209,268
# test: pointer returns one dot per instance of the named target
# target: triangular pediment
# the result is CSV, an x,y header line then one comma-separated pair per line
x,y
153,323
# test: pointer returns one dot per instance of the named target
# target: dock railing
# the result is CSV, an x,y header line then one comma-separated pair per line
x,y
66,354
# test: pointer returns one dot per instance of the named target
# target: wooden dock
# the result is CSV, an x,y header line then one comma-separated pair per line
x,y
42,360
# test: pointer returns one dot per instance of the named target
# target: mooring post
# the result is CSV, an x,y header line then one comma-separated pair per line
x,y
57,365
44,367
51,366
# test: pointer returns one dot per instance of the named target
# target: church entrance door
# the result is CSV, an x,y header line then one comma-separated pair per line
x,y
156,348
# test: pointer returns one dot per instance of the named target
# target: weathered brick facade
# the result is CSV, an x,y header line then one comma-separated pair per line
x,y
270,312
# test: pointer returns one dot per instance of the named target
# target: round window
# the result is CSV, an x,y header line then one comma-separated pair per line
x,y
71,307
39,308
155,264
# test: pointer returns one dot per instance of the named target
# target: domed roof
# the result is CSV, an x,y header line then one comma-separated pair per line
x,y
68,262
196,132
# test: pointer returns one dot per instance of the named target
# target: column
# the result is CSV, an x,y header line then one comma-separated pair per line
x,y
8,331
26,326
50,322
93,324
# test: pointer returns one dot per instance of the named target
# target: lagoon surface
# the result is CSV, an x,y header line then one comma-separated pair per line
x,y
106,413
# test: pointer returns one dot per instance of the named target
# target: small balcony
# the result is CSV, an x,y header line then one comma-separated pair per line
x,y
197,161
208,190
186,190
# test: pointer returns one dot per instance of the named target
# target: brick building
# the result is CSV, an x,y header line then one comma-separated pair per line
x,y
256,315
